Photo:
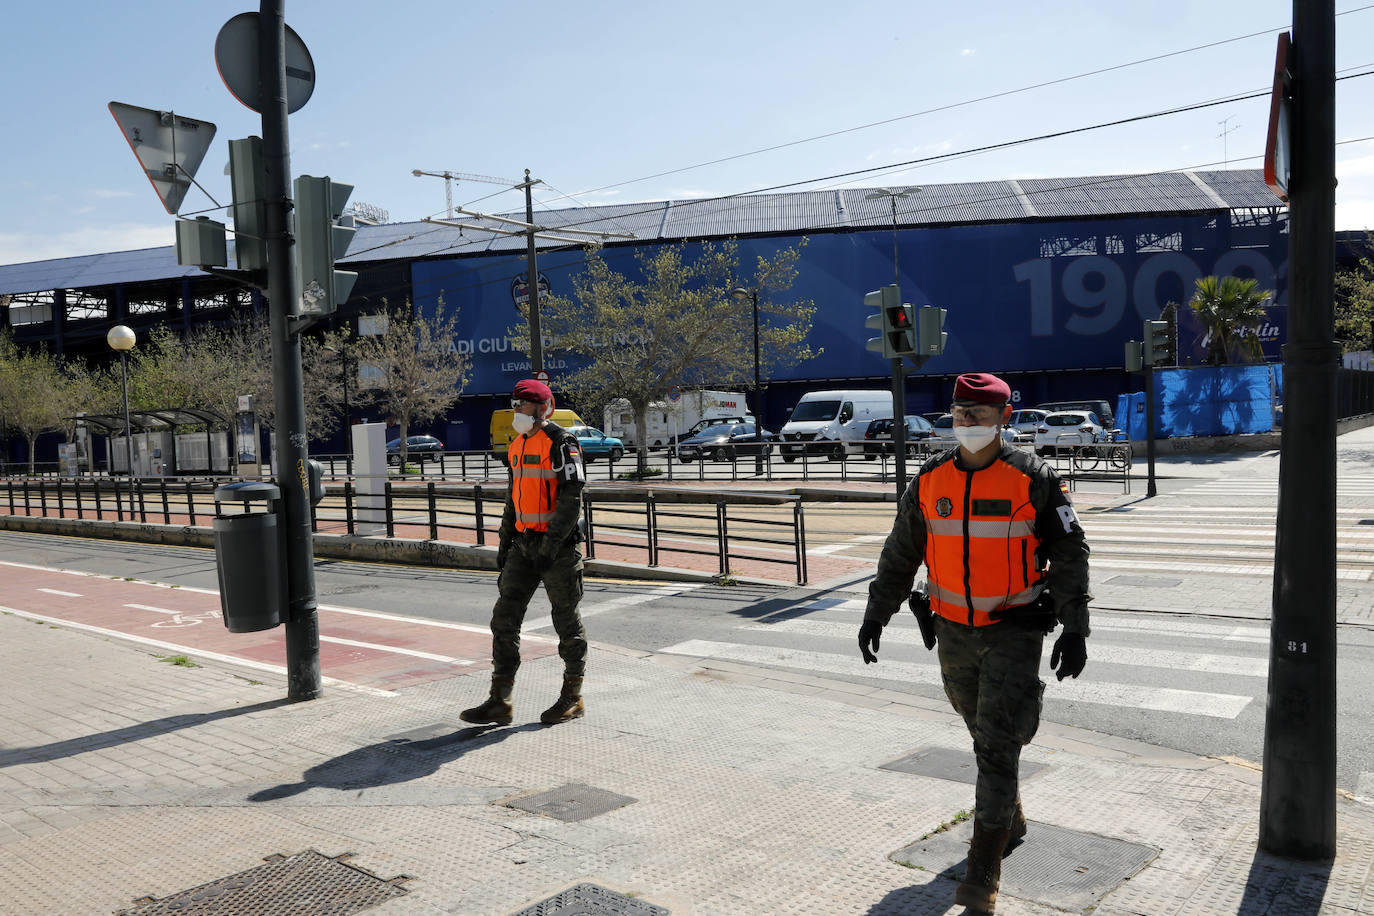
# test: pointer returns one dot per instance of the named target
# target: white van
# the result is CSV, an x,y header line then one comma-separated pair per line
x,y
833,423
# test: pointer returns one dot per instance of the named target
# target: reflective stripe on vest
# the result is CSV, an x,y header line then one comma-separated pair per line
x,y
534,483
980,541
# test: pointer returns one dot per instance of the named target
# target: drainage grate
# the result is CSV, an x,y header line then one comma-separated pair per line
x,y
591,900
306,884
1061,868
947,763
572,802
1144,581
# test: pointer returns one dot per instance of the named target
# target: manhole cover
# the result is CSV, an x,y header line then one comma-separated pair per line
x,y
572,802
591,900
306,884
947,763
1061,868
1144,581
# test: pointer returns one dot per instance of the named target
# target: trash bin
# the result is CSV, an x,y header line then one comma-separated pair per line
x,y
248,557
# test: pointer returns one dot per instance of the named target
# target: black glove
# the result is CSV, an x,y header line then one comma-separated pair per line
x,y
925,618
1069,656
869,634
502,554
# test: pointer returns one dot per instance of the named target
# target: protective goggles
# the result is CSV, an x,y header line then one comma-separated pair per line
x,y
517,403
979,413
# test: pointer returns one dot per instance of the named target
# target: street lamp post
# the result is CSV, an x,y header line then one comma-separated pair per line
x,y
898,370
122,339
740,294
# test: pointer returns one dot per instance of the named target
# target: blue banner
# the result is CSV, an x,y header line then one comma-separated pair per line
x,y
1020,297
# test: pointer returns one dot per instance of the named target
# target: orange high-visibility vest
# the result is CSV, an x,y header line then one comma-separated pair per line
x,y
533,484
981,545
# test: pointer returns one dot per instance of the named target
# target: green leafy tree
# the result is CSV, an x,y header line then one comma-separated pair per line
x,y
1229,307
34,394
679,325
413,371
1355,306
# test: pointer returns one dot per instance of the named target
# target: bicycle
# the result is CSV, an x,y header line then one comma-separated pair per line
x,y
1114,453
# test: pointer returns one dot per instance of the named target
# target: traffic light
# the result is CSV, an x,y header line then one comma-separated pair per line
x,y
1156,348
320,241
933,336
885,300
247,181
201,243
893,321
1133,356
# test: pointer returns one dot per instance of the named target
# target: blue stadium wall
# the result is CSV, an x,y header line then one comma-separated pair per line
x,y
1049,305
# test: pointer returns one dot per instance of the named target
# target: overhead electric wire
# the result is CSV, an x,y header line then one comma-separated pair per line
x,y
953,105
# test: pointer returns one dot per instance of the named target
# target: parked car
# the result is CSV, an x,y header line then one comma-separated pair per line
x,y
1101,409
878,436
1025,422
712,421
596,444
930,416
942,431
418,448
1063,429
724,442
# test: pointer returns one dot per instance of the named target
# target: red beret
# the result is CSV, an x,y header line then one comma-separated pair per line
x,y
532,390
981,388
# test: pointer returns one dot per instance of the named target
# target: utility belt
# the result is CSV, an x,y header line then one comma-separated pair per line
x,y
1037,615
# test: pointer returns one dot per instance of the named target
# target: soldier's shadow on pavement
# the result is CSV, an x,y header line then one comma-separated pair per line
x,y
44,753
934,898
392,761
1279,885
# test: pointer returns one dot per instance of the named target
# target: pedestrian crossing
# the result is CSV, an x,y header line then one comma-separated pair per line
x,y
1234,537
1207,669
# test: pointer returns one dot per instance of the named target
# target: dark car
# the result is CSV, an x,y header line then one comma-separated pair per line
x,y
419,448
724,441
878,436
931,416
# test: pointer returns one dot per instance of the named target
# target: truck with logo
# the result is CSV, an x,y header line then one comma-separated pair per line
x,y
670,420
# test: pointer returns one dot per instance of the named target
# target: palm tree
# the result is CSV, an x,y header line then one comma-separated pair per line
x,y
1228,305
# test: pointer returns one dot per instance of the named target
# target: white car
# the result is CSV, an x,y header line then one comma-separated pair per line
x,y
1063,429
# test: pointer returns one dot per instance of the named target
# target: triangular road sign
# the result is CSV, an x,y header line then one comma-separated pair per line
x,y
168,146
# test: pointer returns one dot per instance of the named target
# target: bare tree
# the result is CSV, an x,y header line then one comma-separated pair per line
x,y
679,325
414,370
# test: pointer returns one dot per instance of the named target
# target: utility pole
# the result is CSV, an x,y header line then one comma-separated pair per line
x,y
301,613
1298,793
536,342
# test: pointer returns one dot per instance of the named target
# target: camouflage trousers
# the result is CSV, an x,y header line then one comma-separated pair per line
x,y
518,580
992,678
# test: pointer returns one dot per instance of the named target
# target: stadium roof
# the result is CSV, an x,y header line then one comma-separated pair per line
x,y
743,215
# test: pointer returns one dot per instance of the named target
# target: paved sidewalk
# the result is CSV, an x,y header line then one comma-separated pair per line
x,y
125,778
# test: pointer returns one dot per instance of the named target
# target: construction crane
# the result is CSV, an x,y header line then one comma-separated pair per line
x,y
451,177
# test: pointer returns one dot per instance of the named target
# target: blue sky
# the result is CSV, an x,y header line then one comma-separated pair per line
x,y
593,96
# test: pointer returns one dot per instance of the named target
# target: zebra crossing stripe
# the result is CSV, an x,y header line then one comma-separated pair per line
x,y
1233,665
1082,690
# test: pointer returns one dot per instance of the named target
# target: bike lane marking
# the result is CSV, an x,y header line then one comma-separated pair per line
x,y
371,649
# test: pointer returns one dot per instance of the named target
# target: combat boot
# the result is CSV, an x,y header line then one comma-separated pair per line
x,y
568,705
497,710
978,892
1018,826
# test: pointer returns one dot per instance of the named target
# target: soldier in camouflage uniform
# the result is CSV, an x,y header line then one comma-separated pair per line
x,y
1006,561
538,542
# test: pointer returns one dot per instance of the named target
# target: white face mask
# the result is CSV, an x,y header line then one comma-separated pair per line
x,y
522,422
975,438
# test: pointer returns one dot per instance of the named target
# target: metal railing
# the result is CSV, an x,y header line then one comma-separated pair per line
x,y
721,528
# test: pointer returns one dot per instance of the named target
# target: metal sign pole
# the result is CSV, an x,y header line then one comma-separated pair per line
x,y
300,615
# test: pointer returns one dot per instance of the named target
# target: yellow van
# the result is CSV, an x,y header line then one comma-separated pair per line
x,y
502,432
